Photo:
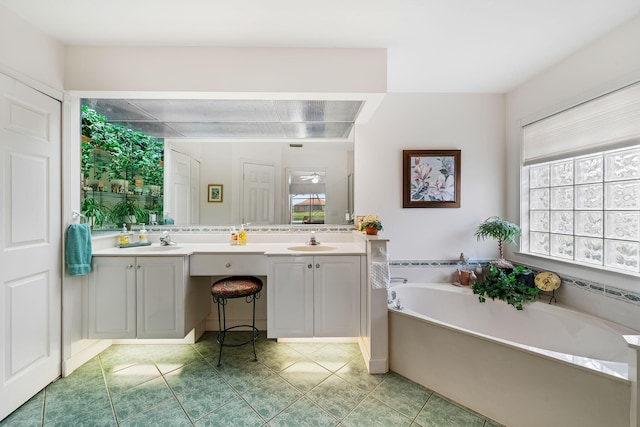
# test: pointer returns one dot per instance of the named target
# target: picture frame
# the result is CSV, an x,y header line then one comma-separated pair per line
x,y
431,178
214,193
358,221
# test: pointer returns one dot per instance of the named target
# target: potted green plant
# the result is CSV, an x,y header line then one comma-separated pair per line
x,y
501,230
126,212
512,287
371,224
95,211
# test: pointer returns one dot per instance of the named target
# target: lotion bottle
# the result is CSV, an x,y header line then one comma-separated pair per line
x,y
234,237
242,236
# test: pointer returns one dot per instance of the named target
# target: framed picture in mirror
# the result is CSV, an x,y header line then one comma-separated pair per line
x,y
214,193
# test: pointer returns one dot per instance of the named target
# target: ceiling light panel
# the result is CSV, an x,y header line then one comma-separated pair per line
x,y
230,130
204,110
317,130
317,111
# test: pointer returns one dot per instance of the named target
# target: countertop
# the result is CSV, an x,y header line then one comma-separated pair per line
x,y
186,249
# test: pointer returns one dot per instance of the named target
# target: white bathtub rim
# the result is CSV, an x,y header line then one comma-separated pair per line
x,y
610,369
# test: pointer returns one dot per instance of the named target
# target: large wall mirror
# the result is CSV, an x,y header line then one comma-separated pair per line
x,y
268,162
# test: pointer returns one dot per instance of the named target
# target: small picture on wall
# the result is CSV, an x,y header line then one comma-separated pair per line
x,y
215,193
431,179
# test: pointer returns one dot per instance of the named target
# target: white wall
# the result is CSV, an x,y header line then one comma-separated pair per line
x,y
473,123
29,55
212,69
604,65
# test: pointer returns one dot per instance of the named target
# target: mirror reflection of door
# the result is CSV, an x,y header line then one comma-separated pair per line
x,y
258,193
306,191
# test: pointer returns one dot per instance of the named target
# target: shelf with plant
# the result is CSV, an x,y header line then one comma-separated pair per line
x,y
116,155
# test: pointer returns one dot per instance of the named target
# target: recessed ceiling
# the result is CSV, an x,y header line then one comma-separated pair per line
x,y
182,118
433,45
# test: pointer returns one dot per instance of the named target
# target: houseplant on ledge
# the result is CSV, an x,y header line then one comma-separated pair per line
x,y
371,224
511,287
501,230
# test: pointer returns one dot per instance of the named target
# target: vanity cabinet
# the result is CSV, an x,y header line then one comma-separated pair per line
x,y
313,296
143,297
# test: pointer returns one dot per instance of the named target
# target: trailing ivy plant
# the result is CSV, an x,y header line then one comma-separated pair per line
x,y
512,287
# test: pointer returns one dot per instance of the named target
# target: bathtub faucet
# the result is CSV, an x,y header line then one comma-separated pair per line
x,y
399,279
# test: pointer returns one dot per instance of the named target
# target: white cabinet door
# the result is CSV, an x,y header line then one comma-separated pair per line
x,y
336,296
160,293
112,298
137,297
313,296
290,297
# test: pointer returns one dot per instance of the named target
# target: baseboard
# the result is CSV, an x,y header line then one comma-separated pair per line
x,y
77,360
190,338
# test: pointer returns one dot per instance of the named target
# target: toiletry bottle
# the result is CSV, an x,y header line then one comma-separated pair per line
x,y
234,237
242,236
142,237
124,236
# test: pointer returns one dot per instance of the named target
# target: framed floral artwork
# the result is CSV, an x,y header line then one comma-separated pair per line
x,y
214,193
431,178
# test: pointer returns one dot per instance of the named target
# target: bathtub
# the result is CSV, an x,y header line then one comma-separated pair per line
x,y
545,365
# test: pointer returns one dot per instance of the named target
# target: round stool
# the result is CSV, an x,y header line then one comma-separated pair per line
x,y
248,287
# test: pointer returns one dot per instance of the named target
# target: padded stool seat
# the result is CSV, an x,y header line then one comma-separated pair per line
x,y
248,287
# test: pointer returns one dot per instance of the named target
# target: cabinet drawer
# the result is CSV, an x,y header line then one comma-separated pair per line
x,y
220,265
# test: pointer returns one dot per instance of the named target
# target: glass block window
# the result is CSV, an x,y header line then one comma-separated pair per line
x,y
585,209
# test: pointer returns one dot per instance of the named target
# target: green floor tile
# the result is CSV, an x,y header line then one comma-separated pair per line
x,y
401,394
373,413
236,413
140,398
303,413
355,372
168,413
337,396
294,384
305,375
439,412
271,396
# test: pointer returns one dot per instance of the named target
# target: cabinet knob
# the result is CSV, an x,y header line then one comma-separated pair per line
x,y
138,267
228,265
130,266
317,265
309,266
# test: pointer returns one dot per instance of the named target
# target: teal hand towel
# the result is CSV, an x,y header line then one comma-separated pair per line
x,y
78,249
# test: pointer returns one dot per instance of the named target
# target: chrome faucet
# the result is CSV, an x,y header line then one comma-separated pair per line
x,y
312,240
165,240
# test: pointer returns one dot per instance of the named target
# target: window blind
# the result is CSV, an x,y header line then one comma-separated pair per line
x,y
606,122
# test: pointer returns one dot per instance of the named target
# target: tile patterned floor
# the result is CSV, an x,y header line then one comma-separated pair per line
x,y
292,384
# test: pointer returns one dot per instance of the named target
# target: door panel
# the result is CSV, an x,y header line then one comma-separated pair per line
x,y
30,243
258,193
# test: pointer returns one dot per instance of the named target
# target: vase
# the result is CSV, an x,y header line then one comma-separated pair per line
x,y
372,231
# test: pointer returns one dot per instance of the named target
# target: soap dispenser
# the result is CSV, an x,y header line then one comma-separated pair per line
x,y
142,237
242,236
124,235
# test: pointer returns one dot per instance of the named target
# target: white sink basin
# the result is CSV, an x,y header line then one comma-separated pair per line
x,y
152,248
310,248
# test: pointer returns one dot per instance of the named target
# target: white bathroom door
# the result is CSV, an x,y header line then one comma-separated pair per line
x,y
179,186
258,193
30,243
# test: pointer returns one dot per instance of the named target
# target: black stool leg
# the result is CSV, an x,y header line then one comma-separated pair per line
x,y
222,326
254,331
